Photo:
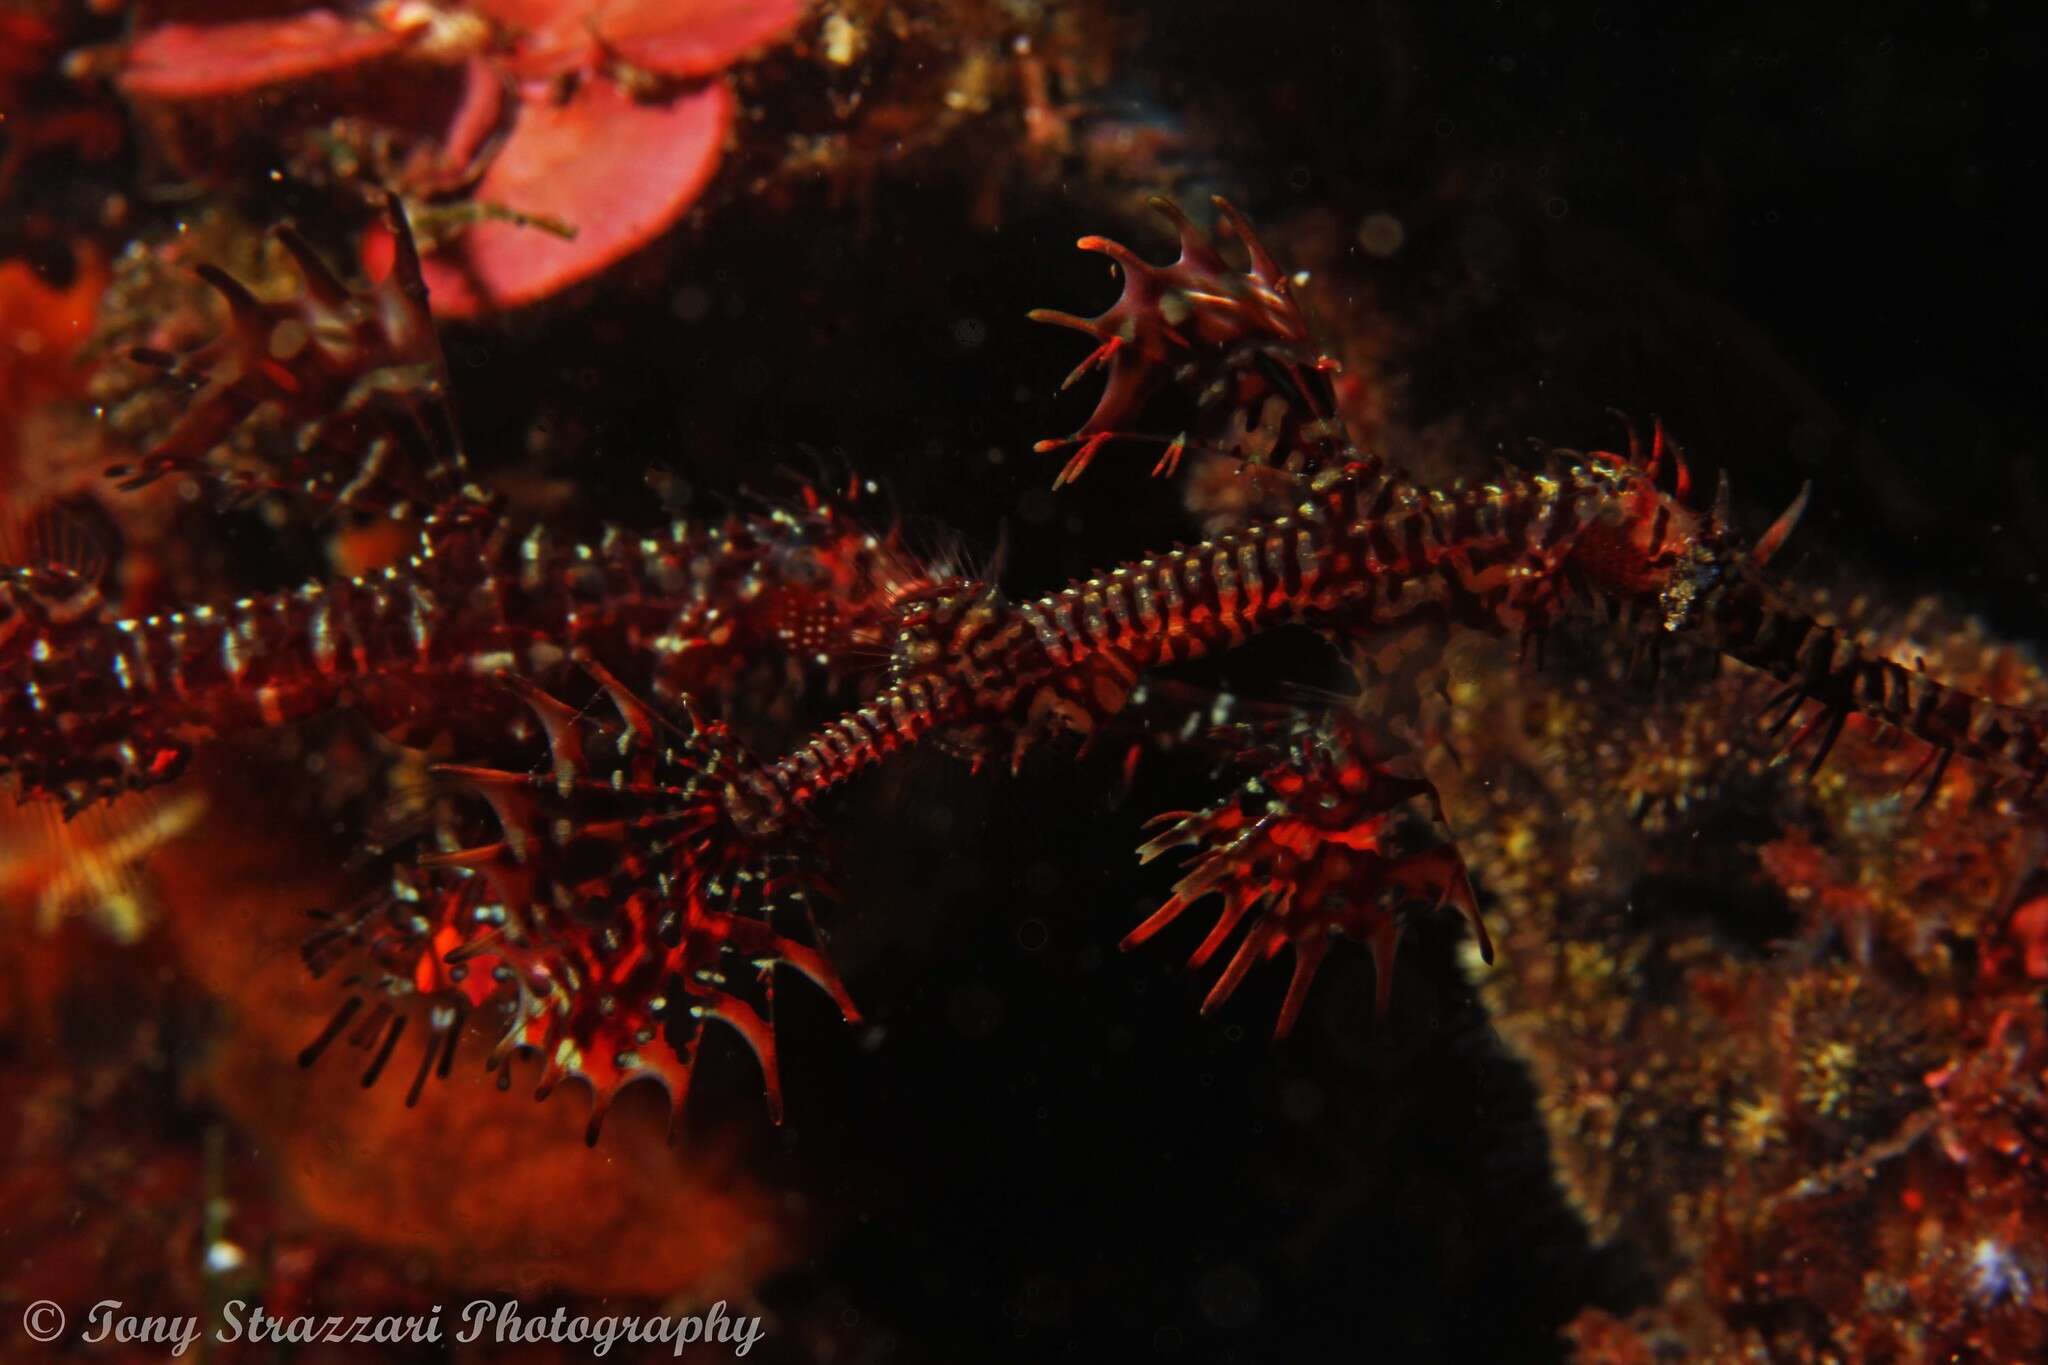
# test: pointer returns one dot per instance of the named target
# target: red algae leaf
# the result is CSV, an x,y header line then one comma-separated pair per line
x,y
682,39
201,61
476,116
543,37
687,39
618,170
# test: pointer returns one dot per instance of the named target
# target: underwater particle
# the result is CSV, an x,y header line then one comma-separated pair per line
x,y
1381,234
224,1258
1302,1100
690,304
841,40
1756,1125
1996,1274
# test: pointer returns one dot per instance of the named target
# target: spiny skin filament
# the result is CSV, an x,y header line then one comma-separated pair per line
x,y
1309,849
1236,342
601,910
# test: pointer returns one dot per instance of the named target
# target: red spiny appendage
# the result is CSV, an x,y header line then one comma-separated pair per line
x,y
354,376
1308,850
91,705
1234,339
601,910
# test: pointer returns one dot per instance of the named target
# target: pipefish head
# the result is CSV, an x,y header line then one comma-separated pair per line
x,y
1715,558
1639,543
1634,540
1650,546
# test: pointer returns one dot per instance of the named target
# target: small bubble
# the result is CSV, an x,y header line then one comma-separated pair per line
x,y
1228,1296
1302,1101
690,304
1381,234
975,1010
1036,507
1556,206
1033,935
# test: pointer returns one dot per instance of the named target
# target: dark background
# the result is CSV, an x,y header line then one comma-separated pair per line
x,y
1800,234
